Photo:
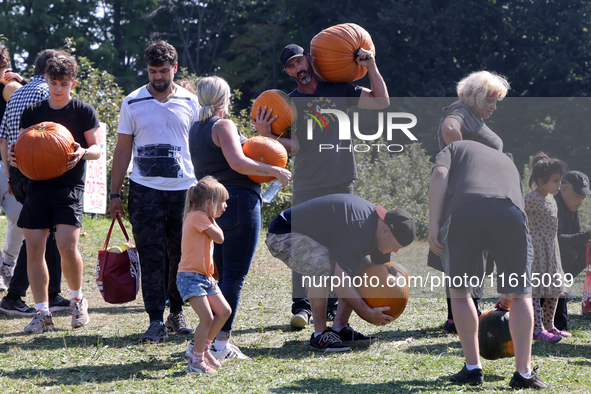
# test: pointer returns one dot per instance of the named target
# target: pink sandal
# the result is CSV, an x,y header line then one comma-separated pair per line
x,y
556,331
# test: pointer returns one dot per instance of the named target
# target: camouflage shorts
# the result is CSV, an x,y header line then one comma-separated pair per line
x,y
301,253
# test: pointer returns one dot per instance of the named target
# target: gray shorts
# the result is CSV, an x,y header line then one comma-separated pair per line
x,y
301,253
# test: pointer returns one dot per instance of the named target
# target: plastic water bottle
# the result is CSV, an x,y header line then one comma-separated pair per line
x,y
272,191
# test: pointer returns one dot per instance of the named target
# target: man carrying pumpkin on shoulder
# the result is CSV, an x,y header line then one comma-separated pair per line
x,y
328,239
338,165
58,201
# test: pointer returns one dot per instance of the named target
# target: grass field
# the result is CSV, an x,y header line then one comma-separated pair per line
x,y
411,355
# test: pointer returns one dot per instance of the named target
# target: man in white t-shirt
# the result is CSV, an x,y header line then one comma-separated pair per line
x,y
153,126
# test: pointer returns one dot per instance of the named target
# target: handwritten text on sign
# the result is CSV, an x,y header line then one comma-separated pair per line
x,y
95,187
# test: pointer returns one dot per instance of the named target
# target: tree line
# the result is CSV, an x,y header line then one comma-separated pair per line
x,y
423,47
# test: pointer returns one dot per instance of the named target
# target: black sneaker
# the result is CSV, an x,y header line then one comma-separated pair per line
x,y
16,308
533,382
347,334
328,341
177,323
449,328
474,377
59,303
155,333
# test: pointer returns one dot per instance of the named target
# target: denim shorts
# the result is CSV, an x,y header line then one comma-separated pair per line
x,y
192,284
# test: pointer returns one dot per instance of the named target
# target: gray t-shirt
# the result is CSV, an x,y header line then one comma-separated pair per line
x,y
315,169
471,126
477,172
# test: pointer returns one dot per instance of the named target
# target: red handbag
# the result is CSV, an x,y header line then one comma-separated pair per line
x,y
587,287
118,274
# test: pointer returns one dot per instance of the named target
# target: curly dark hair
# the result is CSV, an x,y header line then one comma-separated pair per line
x,y
158,52
61,68
4,57
43,57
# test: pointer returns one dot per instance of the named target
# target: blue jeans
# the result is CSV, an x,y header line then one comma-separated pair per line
x,y
241,223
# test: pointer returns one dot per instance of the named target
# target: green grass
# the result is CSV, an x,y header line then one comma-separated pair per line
x,y
411,355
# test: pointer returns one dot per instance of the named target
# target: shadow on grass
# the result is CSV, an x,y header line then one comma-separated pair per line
x,y
95,374
395,386
44,342
297,349
117,310
278,327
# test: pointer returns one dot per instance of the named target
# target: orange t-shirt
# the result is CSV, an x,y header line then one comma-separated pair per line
x,y
196,245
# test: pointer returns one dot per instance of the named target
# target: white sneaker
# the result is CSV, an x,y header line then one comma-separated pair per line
x,y
189,352
231,351
3,286
79,308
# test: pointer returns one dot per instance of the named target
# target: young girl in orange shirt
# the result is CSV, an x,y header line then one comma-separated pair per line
x,y
205,201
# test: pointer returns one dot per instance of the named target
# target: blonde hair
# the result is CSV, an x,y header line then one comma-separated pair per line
x,y
476,87
213,94
208,188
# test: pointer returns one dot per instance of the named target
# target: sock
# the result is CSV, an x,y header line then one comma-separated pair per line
x,y
76,294
208,344
316,334
220,345
43,306
471,367
336,329
199,357
526,375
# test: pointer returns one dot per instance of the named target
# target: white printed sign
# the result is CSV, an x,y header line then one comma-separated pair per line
x,y
95,186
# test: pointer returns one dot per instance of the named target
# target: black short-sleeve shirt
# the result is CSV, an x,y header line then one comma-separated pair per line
x,y
78,117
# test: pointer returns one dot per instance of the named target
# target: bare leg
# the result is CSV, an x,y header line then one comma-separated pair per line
x,y
36,264
521,325
201,306
466,320
72,265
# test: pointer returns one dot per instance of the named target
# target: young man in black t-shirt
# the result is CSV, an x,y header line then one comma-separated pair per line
x,y
58,201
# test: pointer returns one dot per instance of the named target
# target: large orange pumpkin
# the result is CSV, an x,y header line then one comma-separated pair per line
x,y
42,150
265,150
494,337
9,89
384,291
334,50
282,106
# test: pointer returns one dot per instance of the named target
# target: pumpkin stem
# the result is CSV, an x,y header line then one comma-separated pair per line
x,y
392,270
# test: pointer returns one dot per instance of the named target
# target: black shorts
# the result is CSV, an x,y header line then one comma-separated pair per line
x,y
494,225
48,205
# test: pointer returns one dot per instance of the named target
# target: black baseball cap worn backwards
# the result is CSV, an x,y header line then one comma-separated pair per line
x,y
400,223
